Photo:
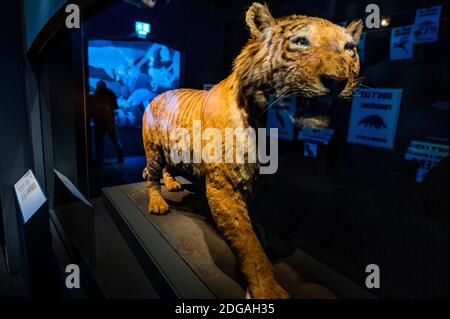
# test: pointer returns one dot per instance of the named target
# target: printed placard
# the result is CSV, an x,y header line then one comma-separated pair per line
x,y
426,27
29,195
427,155
279,115
316,135
441,105
374,117
425,150
402,43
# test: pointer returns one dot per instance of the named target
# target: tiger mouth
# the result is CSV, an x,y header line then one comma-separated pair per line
x,y
313,112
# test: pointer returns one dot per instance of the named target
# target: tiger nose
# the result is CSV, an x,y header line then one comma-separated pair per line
x,y
334,84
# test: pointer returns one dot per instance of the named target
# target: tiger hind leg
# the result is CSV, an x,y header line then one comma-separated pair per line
x,y
156,203
171,183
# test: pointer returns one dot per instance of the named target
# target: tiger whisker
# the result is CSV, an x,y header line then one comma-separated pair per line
x,y
283,95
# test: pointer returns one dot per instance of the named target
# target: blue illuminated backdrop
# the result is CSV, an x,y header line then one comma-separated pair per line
x,y
137,72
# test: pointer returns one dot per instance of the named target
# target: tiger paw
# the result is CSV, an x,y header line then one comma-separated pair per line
x,y
158,206
269,289
172,185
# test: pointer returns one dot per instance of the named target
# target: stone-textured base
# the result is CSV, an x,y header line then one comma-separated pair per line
x,y
190,230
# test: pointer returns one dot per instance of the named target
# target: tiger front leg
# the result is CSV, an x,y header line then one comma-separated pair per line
x,y
157,205
229,209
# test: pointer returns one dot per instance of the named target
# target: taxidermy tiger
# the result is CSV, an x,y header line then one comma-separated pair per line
x,y
294,55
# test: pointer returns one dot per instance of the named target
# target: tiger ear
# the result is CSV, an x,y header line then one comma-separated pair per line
x,y
355,28
259,19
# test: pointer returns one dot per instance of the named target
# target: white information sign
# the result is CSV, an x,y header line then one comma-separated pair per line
x,y
29,195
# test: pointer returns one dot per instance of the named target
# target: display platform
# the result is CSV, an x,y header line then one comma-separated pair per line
x,y
185,256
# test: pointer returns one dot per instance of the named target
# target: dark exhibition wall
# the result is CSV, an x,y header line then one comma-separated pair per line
x,y
62,109
210,51
15,142
351,206
226,33
36,15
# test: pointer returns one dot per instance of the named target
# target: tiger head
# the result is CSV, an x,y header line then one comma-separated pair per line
x,y
299,55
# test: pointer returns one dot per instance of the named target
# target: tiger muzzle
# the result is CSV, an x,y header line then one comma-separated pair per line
x,y
335,85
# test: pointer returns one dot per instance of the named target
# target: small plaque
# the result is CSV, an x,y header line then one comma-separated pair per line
x,y
427,155
316,136
29,195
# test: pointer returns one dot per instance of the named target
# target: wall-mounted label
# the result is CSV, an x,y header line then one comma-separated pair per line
x,y
426,27
427,155
279,116
402,43
316,136
311,150
374,117
418,149
441,105
312,138
29,195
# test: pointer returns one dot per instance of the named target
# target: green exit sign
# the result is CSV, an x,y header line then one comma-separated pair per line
x,y
142,29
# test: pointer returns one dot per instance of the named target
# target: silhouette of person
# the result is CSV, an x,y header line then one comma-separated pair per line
x,y
104,103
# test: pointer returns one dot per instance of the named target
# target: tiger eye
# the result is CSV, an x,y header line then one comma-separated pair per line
x,y
349,46
301,41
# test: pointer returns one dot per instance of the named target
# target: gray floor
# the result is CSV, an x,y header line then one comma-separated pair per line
x,y
11,286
